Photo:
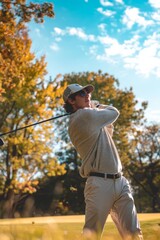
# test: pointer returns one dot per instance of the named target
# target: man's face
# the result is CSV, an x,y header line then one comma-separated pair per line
x,y
81,99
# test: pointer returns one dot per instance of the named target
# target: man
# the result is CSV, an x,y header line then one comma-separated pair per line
x,y
107,191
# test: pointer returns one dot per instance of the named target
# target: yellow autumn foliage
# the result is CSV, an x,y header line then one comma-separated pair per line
x,y
26,96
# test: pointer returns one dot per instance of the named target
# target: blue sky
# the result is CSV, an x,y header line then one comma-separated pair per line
x,y
120,37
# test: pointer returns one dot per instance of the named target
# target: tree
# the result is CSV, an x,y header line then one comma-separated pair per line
x,y
25,97
107,92
144,167
22,12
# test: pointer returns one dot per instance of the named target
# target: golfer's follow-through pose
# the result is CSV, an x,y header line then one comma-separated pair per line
x,y
106,191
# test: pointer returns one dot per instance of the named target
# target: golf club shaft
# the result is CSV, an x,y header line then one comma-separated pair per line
x,y
33,124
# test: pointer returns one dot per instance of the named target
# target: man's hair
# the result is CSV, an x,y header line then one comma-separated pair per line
x,y
68,107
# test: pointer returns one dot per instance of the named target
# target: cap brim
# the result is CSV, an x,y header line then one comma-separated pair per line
x,y
90,88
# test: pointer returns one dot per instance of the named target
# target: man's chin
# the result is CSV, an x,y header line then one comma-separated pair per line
x,y
88,105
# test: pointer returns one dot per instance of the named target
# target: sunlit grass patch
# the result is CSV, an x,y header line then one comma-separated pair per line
x,y
69,231
151,229
30,232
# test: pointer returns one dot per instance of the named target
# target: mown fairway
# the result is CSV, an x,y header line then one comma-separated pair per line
x,y
69,228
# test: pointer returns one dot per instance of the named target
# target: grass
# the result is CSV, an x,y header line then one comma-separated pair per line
x,y
33,230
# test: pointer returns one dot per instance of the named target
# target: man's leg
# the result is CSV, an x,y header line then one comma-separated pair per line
x,y
124,215
99,199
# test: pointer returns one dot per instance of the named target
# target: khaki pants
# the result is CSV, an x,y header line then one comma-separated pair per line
x,y
109,196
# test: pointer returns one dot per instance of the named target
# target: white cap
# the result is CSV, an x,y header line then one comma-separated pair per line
x,y
73,88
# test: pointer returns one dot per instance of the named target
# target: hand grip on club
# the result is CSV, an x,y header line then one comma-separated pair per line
x,y
94,103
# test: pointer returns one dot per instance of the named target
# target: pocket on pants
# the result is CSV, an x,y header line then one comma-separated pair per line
x,y
90,187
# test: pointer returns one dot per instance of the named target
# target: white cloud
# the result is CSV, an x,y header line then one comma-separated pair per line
x,y
106,3
114,48
107,13
58,39
141,55
107,40
59,31
144,58
119,1
38,32
132,16
72,31
152,115
102,28
156,16
79,32
54,47
93,50
154,3
147,60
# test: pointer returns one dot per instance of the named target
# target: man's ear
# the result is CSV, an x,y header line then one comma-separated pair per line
x,y
71,101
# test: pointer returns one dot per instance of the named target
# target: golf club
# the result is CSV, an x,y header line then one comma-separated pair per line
x,y
30,125
1,142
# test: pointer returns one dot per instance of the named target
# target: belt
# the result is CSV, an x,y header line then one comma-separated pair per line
x,y
106,175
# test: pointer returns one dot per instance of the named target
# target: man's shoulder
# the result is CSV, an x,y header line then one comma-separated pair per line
x,y
86,111
83,113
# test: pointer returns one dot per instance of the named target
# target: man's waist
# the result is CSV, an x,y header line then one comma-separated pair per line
x,y
106,175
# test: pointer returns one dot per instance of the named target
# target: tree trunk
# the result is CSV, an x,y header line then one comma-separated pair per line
x,y
8,205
